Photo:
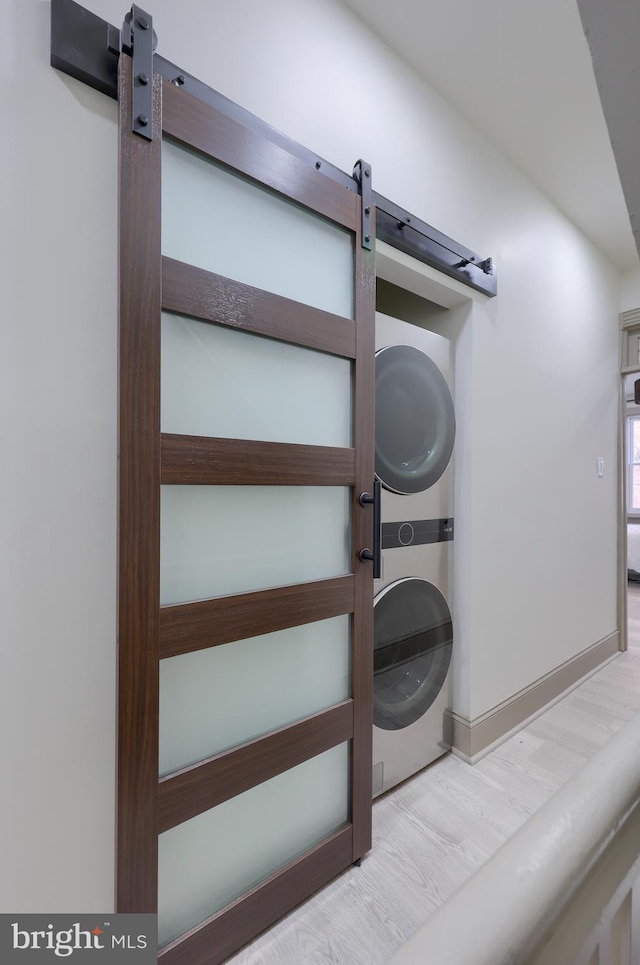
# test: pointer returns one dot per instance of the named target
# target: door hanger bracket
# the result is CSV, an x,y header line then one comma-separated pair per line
x,y
362,174
138,38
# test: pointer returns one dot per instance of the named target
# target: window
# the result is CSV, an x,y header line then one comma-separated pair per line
x,y
633,464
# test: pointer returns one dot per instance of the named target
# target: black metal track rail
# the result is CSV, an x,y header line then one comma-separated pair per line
x,y
87,48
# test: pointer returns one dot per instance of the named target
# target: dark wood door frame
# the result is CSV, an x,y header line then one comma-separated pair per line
x,y
148,632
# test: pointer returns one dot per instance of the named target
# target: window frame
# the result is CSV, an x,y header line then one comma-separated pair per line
x,y
632,418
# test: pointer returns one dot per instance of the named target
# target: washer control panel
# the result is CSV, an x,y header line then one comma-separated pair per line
x,y
416,532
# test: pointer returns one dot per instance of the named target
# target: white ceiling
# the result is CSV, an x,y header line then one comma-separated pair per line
x,y
521,72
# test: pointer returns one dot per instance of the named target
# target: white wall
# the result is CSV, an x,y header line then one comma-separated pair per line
x,y
630,290
540,360
58,483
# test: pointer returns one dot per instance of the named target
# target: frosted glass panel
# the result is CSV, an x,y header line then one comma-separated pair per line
x,y
217,381
211,859
217,540
214,699
219,221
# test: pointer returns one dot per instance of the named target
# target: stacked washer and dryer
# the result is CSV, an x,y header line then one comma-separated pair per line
x,y
415,432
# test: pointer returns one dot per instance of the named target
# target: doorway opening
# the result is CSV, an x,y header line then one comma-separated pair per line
x,y
408,306
631,452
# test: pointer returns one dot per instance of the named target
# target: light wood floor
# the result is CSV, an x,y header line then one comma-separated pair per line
x,y
433,831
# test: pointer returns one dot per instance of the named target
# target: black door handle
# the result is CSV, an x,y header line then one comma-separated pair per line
x,y
366,554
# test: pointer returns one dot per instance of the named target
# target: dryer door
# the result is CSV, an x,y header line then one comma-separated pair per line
x,y
412,651
415,420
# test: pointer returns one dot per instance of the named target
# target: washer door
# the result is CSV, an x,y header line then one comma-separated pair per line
x,y
413,640
415,420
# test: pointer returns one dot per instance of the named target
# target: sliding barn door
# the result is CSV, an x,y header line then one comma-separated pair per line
x,y
245,613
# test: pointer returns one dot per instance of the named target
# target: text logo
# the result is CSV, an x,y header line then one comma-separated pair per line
x,y
30,939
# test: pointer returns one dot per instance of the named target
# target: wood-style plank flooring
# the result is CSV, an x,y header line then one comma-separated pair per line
x,y
434,830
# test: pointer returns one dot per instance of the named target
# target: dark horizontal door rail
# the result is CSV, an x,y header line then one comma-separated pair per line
x,y
211,461
186,627
191,291
202,786
220,137
86,47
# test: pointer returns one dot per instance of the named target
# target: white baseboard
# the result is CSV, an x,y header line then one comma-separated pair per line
x,y
472,739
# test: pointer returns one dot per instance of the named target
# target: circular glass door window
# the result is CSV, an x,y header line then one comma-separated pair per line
x,y
413,640
415,420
